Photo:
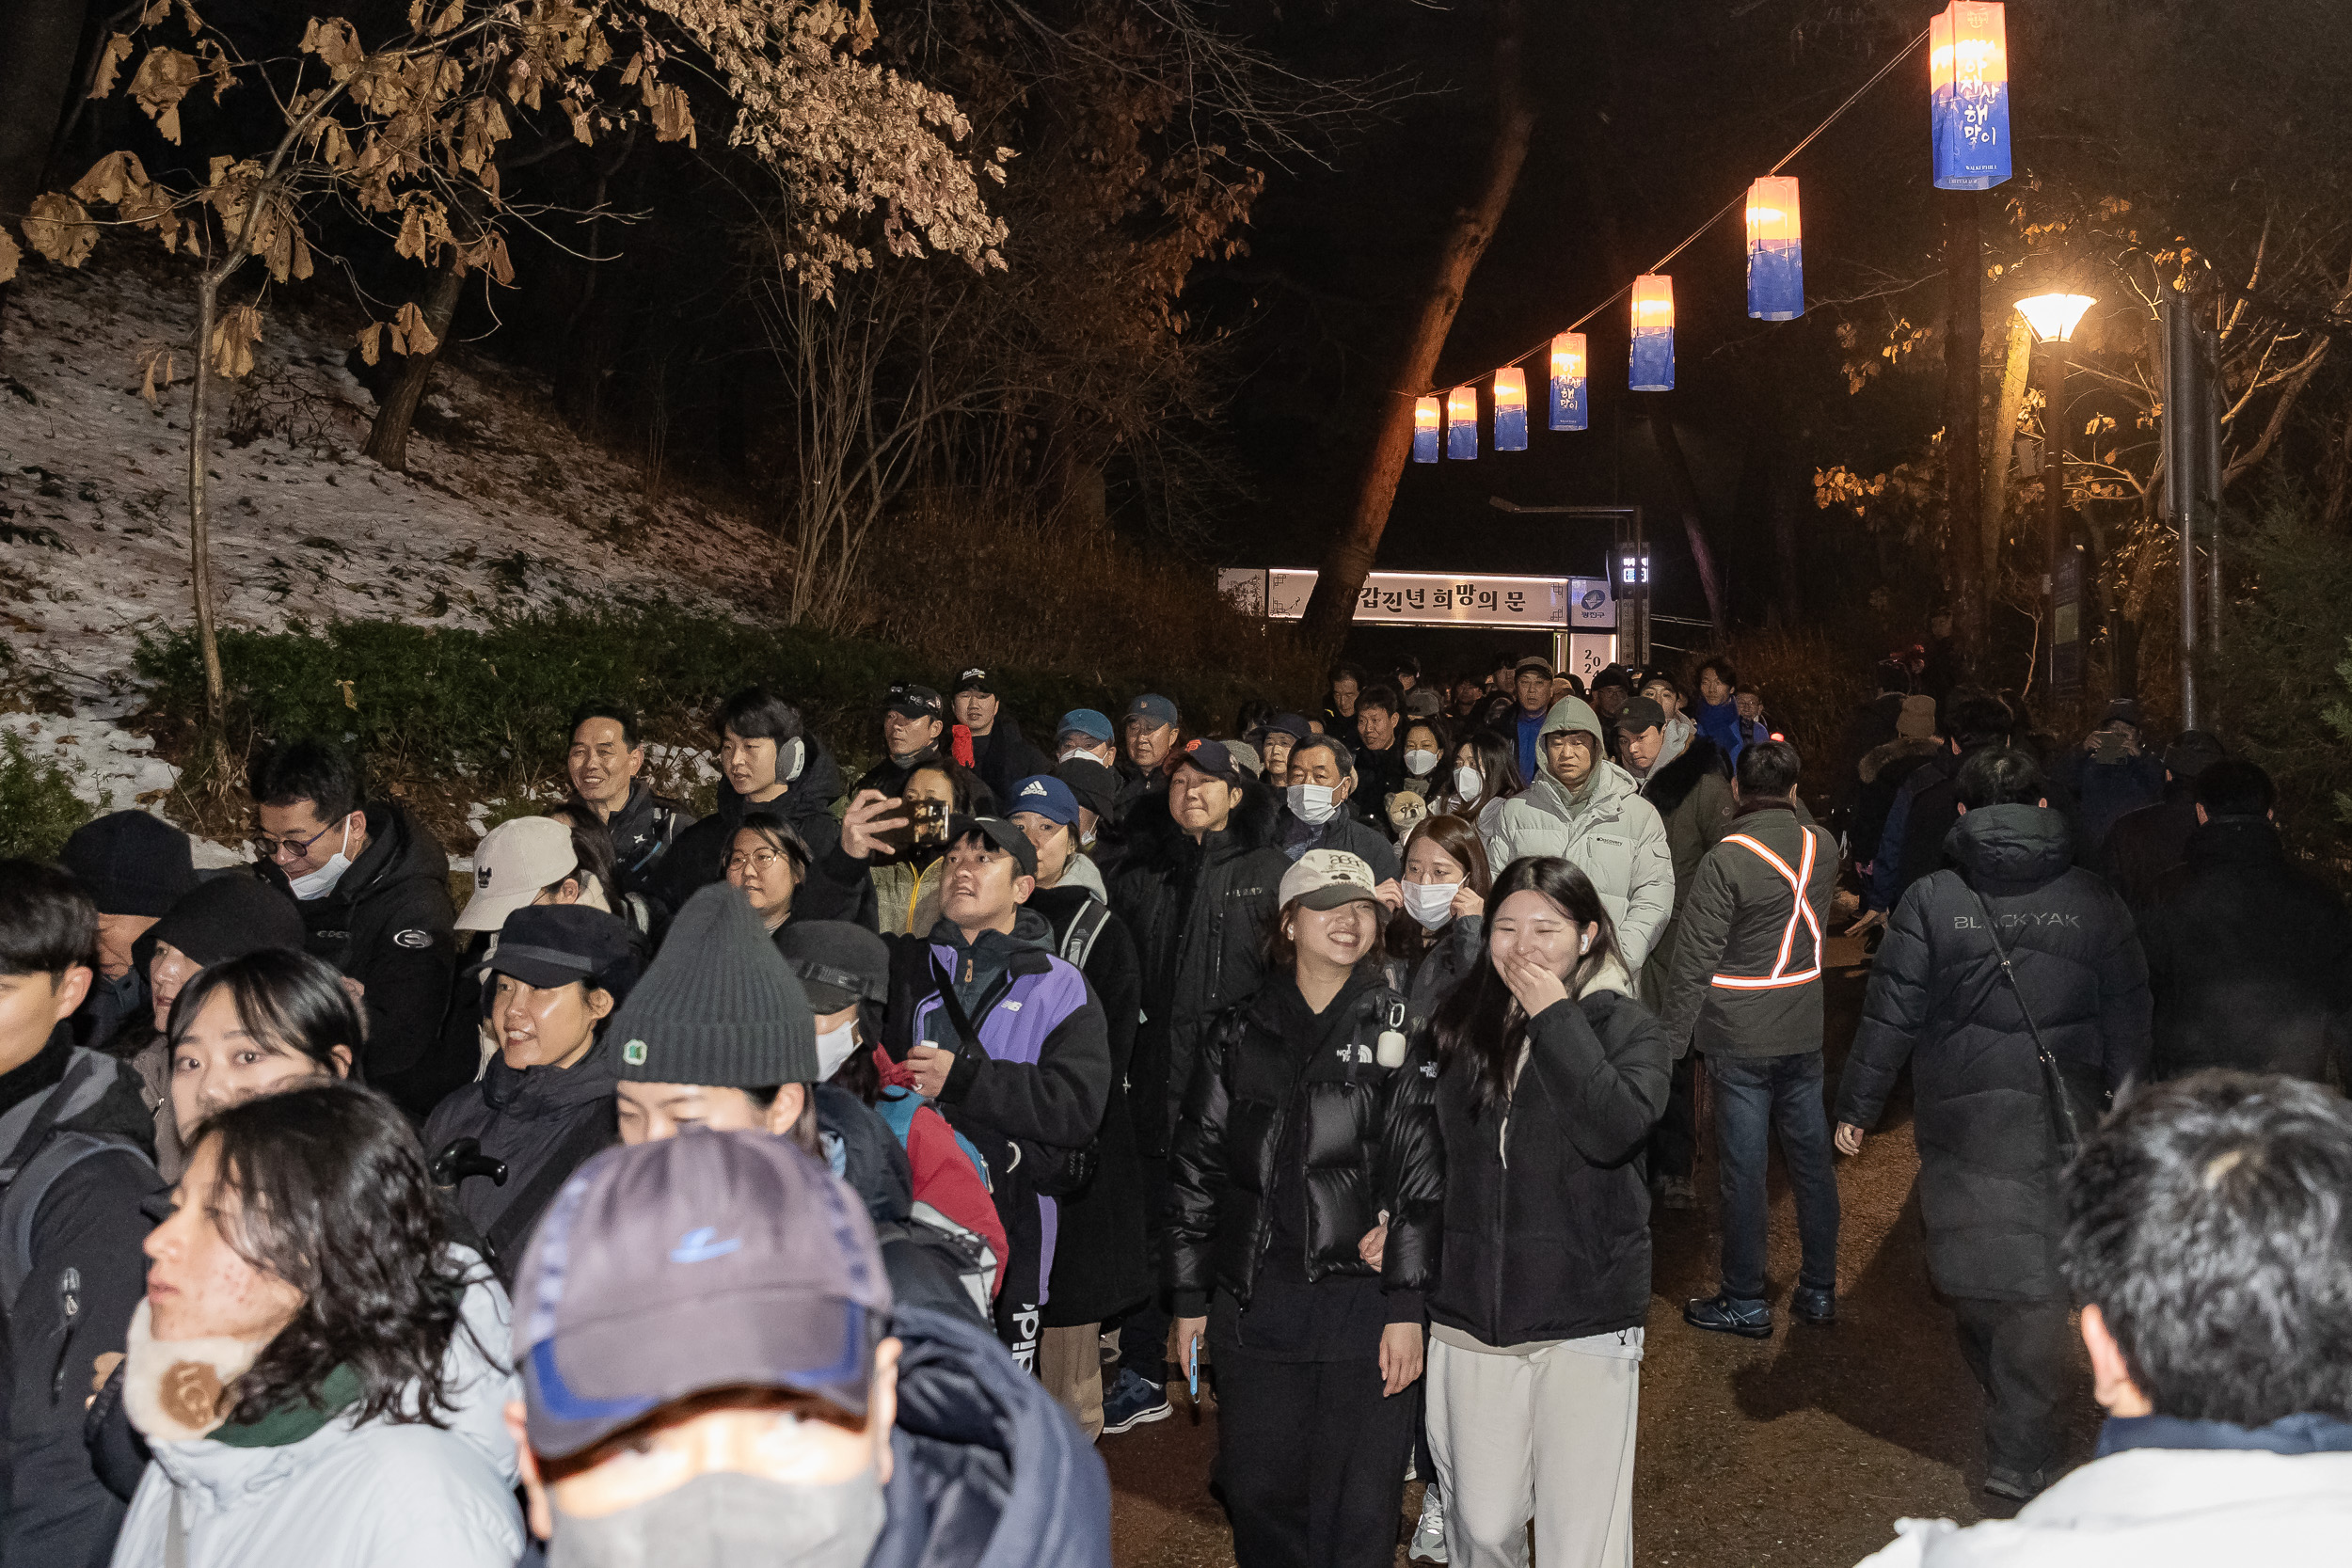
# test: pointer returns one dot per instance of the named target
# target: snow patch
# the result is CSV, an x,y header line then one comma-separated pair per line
x,y
108,767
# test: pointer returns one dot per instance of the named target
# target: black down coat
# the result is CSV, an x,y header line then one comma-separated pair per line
x,y
1988,1163
1200,915
1365,1135
1552,1242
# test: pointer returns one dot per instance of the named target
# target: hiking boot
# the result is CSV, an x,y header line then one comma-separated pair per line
x,y
1429,1535
1133,1402
1726,1314
2016,1485
1809,1305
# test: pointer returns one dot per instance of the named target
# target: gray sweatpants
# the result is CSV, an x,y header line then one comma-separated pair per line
x,y
1547,1435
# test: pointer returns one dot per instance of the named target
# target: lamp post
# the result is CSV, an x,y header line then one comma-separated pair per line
x,y
2053,317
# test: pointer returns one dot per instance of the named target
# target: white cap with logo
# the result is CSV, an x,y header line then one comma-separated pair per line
x,y
1325,880
512,863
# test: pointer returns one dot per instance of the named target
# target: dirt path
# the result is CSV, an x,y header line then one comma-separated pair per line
x,y
1801,1449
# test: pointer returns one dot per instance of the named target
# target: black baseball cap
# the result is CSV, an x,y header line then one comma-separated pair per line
x,y
553,944
1003,834
977,680
915,702
838,962
1211,758
1641,713
1095,785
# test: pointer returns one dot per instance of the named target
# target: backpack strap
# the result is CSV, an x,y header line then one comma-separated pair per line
x,y
507,1234
1085,927
19,1208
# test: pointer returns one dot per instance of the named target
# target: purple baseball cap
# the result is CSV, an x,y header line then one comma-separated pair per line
x,y
708,1260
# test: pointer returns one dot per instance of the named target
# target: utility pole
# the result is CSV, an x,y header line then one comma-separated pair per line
x,y
1964,451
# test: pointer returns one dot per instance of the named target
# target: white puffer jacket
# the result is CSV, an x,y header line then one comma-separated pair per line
x,y
1611,834
377,1495
2155,1508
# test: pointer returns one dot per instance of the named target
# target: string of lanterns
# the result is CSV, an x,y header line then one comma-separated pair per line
x,y
1968,115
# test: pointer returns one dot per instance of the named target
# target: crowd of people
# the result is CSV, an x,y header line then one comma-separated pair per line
x,y
815,1180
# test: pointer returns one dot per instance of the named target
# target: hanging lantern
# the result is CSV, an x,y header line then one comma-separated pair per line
x,y
1510,410
1653,333
1968,95
1426,430
1461,423
1775,250
1567,381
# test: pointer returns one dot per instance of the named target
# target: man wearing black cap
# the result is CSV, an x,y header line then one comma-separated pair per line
x,y
2145,844
1530,683
1000,753
1006,1037
914,723
717,1373
132,865
2109,775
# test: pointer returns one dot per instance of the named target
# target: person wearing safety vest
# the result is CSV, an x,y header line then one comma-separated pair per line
x,y
1746,991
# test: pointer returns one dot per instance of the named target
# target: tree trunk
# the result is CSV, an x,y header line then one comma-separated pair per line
x,y
1964,394
200,519
2000,440
1687,501
387,438
1333,606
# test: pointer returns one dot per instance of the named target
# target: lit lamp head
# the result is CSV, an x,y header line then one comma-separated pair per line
x,y
1461,423
2053,316
1510,410
1775,250
1567,382
1426,430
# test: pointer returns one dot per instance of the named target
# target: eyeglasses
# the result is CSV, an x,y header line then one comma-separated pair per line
x,y
758,860
268,848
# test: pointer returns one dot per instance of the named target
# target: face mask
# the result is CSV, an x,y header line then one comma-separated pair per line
x,y
1419,763
1468,782
1312,803
319,883
1431,903
832,1049
724,1518
1076,751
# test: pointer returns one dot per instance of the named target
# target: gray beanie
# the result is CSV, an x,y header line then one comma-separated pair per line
x,y
718,1006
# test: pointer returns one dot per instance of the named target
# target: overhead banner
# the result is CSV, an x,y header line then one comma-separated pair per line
x,y
1424,598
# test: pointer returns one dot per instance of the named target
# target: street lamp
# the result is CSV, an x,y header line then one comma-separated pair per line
x,y
2052,318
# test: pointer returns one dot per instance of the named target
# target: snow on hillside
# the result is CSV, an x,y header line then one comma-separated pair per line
x,y
503,508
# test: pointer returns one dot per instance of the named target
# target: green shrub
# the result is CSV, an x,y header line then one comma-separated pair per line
x,y
1811,683
38,809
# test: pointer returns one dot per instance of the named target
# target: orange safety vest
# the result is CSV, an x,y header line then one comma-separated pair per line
x,y
1782,976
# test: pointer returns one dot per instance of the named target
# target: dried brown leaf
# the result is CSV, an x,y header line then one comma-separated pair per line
x,y
336,42
164,78
450,17
370,341
410,324
111,178
60,228
110,63
234,337
9,256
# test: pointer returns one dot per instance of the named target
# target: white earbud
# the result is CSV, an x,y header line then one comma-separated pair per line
x,y
1585,946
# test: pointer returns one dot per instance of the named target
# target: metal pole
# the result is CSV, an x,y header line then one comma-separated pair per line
x,y
2054,487
2209,486
2179,480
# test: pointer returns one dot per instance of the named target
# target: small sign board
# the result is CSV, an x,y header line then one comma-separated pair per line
x,y
1423,598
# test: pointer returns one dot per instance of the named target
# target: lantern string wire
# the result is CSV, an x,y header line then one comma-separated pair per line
x,y
1726,210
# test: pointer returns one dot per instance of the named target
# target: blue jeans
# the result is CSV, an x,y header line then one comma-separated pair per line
x,y
1753,1097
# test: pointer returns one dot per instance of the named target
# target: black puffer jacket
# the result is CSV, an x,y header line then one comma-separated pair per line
x,y
642,831
1988,1164
2250,959
698,858
1200,914
1264,1066
1552,1242
1003,757
544,1122
389,925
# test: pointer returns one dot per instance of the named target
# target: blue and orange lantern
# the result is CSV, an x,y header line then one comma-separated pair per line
x,y
1968,95
1653,333
1461,423
1775,250
1426,430
1568,382
1510,410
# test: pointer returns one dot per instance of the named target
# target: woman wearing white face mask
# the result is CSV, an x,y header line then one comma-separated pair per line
x,y
1444,895
1486,773
1549,1077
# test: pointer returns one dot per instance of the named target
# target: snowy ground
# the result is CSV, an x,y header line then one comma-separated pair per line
x,y
503,509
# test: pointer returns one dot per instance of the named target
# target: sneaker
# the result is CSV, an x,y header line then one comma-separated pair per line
x,y
2016,1485
1723,1314
1134,1401
1429,1535
1681,1193
1808,1306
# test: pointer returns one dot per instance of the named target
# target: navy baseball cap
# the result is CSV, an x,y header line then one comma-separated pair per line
x,y
1047,796
1211,758
708,1260
1088,722
1155,708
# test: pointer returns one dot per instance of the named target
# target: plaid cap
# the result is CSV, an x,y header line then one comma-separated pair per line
x,y
708,1260
1532,661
